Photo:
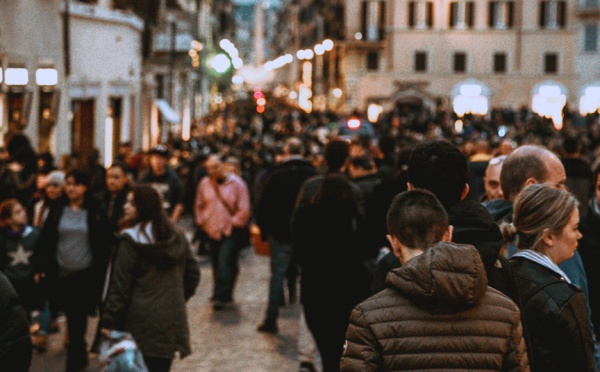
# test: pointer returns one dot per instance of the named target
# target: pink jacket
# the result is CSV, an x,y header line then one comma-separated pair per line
x,y
212,215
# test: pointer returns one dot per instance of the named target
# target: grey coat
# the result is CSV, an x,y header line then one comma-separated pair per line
x,y
150,285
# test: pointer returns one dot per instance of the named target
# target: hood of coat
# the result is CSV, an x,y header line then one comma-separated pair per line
x,y
446,276
474,225
163,254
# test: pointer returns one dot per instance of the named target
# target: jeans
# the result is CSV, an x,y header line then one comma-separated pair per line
x,y
224,256
281,256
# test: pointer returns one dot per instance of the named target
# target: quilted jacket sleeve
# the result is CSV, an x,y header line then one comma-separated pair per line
x,y
361,349
516,355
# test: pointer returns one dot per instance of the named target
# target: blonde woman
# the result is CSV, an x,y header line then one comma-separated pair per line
x,y
545,223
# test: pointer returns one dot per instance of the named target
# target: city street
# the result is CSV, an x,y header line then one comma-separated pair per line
x,y
222,341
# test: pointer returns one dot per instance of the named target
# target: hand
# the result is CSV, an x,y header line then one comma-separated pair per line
x,y
38,276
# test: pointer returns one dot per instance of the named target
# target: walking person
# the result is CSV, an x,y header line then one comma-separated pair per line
x,y
329,239
153,276
72,253
222,209
437,311
273,213
546,220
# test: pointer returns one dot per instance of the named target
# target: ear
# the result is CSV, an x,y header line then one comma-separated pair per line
x,y
465,192
548,238
396,247
447,237
410,186
530,181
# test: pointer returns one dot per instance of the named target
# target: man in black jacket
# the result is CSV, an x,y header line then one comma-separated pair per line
x,y
15,342
440,167
273,212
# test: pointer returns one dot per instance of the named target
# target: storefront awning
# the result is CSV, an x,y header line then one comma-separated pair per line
x,y
167,111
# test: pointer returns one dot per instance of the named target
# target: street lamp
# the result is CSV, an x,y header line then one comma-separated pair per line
x,y
220,63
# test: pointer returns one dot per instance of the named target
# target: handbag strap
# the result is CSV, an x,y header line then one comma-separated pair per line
x,y
221,199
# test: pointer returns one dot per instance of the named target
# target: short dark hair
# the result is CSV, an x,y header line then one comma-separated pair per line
x,y
524,163
80,176
571,145
294,146
417,219
337,152
440,167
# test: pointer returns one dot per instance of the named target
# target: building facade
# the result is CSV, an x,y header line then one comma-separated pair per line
x,y
423,51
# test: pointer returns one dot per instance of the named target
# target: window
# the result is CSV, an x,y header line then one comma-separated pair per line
x,y
420,14
500,62
460,62
553,14
420,62
551,63
461,14
592,3
373,19
590,38
501,14
372,61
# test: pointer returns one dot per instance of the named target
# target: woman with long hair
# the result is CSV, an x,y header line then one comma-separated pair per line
x,y
153,276
545,223
72,253
329,243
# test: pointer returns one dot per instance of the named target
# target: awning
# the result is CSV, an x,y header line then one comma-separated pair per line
x,y
167,111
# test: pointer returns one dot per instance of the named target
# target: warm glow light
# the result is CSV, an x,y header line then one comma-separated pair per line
x,y
470,90
225,44
300,54
319,49
197,45
16,76
260,109
261,101
220,63
186,127
337,93
237,79
354,123
358,36
293,95
237,63
458,126
327,44
108,141
373,112
476,105
549,103
308,54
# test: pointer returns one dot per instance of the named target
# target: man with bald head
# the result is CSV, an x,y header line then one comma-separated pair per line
x,y
525,166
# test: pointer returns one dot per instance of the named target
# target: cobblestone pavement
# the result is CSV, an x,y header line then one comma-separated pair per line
x,y
222,341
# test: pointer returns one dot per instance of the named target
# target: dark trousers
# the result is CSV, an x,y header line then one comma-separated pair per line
x,y
224,255
75,300
155,364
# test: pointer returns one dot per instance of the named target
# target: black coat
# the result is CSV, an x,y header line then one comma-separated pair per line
x,y
277,198
556,314
100,240
15,342
589,250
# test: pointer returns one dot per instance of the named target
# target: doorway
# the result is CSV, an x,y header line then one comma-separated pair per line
x,y
82,127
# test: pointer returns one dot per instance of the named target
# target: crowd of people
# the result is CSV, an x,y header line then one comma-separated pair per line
x,y
432,244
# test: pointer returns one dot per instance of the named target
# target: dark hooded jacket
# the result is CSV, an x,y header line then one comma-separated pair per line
x,y
149,288
437,313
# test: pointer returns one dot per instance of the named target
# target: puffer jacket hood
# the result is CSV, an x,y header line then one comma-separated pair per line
x,y
448,275
163,254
